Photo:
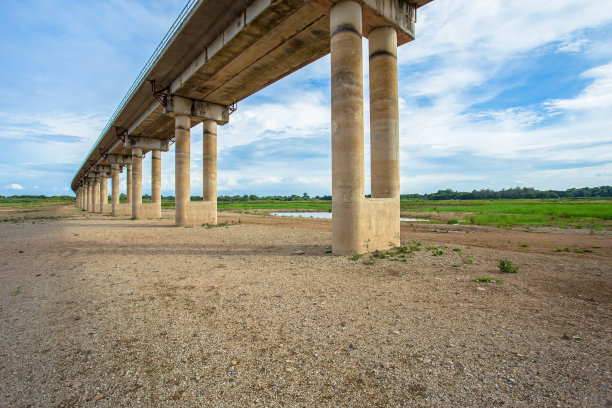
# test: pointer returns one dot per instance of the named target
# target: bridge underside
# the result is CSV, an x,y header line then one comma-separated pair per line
x,y
224,52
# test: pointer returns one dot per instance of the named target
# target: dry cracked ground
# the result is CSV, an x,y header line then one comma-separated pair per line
x,y
98,311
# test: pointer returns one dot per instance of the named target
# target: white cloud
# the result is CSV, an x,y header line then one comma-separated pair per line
x,y
15,186
598,95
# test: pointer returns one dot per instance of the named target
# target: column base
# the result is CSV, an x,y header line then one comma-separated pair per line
x,y
122,209
373,225
148,211
200,212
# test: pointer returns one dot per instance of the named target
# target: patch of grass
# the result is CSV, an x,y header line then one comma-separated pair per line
x,y
582,251
437,252
457,249
566,249
356,257
505,266
220,224
328,251
596,246
523,244
452,222
467,259
487,280
380,254
16,291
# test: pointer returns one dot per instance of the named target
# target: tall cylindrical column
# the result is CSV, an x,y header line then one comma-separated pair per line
x,y
103,192
347,127
115,189
129,182
210,160
95,195
156,181
89,194
136,182
80,201
384,116
182,136
156,176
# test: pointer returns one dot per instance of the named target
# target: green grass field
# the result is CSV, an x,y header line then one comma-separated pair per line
x,y
564,213
591,213
35,201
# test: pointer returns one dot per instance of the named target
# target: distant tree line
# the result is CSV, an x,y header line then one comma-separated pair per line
x,y
513,193
448,194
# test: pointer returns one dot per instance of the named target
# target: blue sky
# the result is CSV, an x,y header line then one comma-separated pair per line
x,y
493,94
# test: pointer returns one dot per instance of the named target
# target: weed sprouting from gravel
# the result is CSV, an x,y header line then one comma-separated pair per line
x,y
467,259
16,291
221,224
487,280
356,257
505,266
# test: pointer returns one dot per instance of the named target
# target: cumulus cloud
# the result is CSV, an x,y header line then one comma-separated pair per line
x,y
15,186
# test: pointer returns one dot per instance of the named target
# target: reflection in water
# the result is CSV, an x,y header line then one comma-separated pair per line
x,y
326,215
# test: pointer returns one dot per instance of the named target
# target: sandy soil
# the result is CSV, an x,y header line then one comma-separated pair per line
x,y
106,312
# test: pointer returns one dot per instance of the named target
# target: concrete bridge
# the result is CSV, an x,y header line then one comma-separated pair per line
x,y
220,52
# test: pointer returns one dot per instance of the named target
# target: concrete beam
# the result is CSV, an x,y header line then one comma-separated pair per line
x,y
146,143
399,14
119,159
102,169
178,105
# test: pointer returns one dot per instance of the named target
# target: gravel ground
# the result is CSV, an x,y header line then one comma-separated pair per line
x,y
106,312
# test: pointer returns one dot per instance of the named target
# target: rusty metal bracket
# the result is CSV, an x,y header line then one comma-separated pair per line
x,y
160,94
121,133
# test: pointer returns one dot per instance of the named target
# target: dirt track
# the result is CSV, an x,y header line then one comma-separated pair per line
x,y
102,311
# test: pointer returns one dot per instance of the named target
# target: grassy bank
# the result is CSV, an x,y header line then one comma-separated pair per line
x,y
564,213
25,201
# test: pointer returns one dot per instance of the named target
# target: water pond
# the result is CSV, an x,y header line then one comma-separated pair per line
x,y
325,215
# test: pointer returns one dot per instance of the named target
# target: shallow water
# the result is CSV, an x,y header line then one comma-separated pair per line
x,y
326,215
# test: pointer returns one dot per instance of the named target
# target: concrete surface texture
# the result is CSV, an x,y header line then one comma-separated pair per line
x,y
223,52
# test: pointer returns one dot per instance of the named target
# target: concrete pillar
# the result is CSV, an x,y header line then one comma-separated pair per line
x,y
384,116
347,127
115,188
136,182
182,136
89,193
129,182
95,195
210,160
103,192
156,176
80,198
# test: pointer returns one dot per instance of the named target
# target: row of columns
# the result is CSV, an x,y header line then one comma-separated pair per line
x,y
87,195
358,223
